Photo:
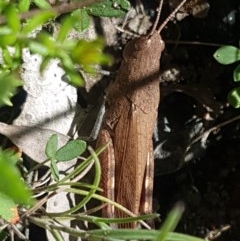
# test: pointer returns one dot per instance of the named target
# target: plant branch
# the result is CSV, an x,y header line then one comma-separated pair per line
x,y
58,9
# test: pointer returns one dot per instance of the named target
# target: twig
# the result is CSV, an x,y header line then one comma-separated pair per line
x,y
58,9
212,129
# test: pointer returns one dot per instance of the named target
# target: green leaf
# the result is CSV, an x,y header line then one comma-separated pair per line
x,y
17,55
42,4
89,53
67,62
7,207
11,60
38,48
44,63
24,5
49,43
7,57
54,170
4,235
8,40
3,5
73,78
234,97
5,30
10,179
71,150
171,222
81,19
136,234
8,86
13,19
37,21
109,8
7,36
227,55
236,74
51,147
65,27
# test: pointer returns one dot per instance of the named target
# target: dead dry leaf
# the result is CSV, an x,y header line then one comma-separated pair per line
x,y
31,140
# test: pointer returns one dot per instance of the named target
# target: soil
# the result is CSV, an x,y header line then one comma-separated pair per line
x,y
209,181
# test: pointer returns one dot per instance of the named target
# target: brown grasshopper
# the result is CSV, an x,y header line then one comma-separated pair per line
x,y
131,111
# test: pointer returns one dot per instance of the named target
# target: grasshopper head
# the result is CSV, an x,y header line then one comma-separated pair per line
x,y
145,46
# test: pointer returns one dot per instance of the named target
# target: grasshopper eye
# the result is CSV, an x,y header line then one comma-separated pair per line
x,y
140,44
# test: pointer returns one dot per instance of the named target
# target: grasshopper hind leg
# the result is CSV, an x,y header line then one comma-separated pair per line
x,y
147,189
107,161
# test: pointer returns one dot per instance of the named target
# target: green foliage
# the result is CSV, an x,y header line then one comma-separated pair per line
x,y
88,53
37,20
88,191
110,234
134,234
42,4
171,222
6,206
234,97
51,147
81,19
71,150
8,32
23,5
72,54
109,8
228,55
8,84
236,74
10,179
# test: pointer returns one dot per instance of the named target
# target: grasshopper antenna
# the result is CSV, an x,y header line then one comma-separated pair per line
x,y
157,18
170,16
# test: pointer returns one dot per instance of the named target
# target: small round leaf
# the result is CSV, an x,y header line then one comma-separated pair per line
x,y
236,74
81,19
234,97
227,55
71,150
51,147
